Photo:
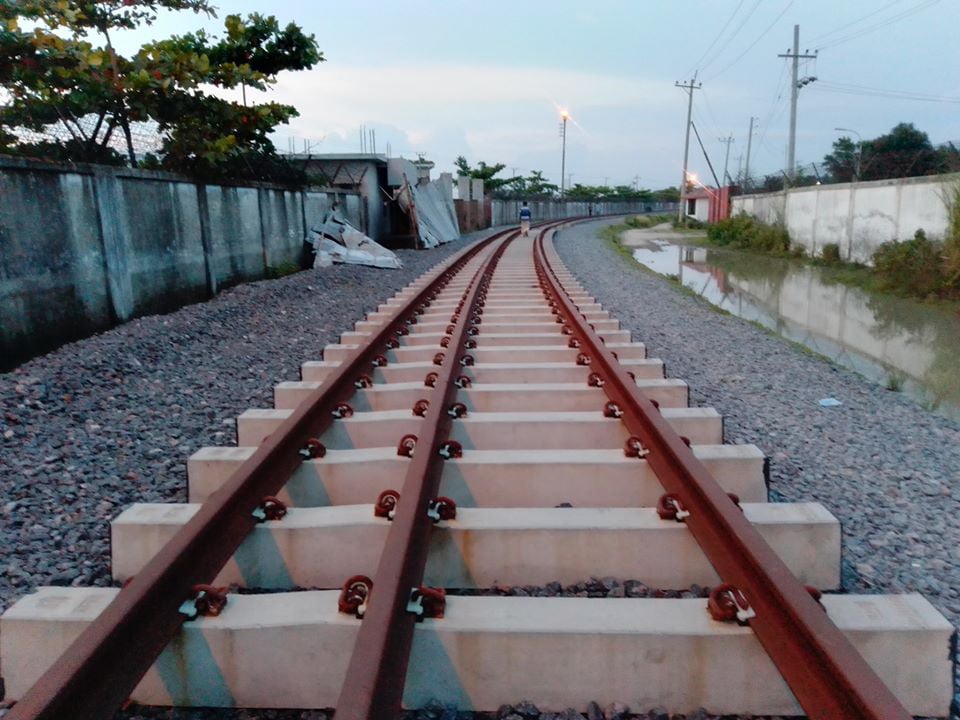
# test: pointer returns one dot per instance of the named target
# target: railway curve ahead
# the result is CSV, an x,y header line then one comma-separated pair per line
x,y
424,516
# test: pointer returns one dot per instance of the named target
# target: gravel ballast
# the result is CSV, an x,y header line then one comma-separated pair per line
x,y
111,420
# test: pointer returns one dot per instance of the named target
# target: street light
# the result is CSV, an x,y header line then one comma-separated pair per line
x,y
565,115
856,167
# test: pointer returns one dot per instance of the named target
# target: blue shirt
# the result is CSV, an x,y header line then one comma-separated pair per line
x,y
525,213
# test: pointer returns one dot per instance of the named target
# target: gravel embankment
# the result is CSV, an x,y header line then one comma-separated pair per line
x,y
887,468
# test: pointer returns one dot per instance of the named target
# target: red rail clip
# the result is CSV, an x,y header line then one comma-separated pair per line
x,y
354,595
430,380
407,446
364,381
634,447
393,344
457,410
445,341
313,449
612,410
441,508
463,381
450,449
342,410
206,600
438,359
421,407
573,342
379,361
270,508
594,380
726,603
466,360
670,507
583,359
386,505
427,602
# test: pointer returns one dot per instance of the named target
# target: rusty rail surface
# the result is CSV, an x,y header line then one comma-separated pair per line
x,y
825,672
100,669
375,678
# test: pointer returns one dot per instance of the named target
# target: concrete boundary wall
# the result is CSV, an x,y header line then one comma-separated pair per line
x,y
85,247
858,217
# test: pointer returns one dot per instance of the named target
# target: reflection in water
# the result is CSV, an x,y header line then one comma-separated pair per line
x,y
879,337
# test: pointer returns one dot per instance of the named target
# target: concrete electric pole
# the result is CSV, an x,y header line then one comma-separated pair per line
x,y
688,88
726,158
746,169
795,85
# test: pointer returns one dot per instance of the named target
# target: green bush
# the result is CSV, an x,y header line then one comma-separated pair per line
x,y
688,223
830,253
748,233
647,221
951,242
913,267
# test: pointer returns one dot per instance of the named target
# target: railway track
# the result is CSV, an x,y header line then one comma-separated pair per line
x,y
490,427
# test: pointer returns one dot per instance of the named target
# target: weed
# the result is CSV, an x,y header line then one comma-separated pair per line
x,y
748,233
282,270
895,381
830,253
913,267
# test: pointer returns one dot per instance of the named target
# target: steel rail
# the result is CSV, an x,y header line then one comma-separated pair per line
x,y
100,669
827,675
374,682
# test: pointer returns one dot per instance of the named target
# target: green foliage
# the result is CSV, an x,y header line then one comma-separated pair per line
x,y
483,172
688,223
913,267
282,270
532,187
905,151
748,233
57,76
951,240
830,253
647,221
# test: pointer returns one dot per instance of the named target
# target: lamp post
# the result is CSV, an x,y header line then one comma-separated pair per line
x,y
856,166
564,115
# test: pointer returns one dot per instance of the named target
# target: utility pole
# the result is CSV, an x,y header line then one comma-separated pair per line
x,y
746,169
726,158
795,85
563,156
688,88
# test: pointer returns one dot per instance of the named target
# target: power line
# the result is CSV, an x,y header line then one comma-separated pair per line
x,y
869,15
881,93
736,32
718,35
884,23
751,45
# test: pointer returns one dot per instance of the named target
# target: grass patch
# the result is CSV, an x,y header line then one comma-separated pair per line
x,y
282,270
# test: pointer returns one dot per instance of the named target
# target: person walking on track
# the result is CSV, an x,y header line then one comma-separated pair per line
x,y
525,216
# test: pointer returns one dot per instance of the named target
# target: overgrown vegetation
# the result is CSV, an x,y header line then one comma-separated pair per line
x,y
642,222
921,267
747,233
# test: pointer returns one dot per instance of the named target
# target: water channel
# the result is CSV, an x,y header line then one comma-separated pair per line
x,y
895,342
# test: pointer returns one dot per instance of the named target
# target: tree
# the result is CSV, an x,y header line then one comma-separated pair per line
x,y
842,162
483,172
58,78
903,152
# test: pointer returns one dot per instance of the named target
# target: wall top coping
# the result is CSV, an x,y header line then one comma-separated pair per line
x,y
12,162
887,182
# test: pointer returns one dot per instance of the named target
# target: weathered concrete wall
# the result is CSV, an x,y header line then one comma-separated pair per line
x,y
507,212
858,217
84,247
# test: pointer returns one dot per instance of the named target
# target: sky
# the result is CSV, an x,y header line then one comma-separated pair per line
x,y
487,80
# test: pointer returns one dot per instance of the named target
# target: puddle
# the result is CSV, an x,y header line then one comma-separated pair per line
x,y
885,339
